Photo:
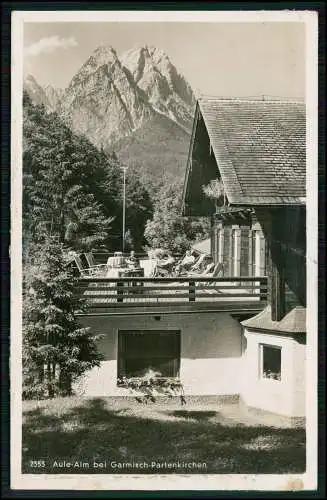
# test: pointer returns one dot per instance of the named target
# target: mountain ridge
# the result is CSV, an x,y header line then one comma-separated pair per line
x,y
111,98
45,95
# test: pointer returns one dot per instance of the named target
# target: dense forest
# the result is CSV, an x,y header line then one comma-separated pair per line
x,y
73,191
72,200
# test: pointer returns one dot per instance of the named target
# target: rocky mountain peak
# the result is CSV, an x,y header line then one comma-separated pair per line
x,y
105,48
136,103
36,92
45,95
111,96
105,55
165,88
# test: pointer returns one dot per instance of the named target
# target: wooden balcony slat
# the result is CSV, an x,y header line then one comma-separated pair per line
x,y
173,288
172,291
137,288
173,279
217,305
169,296
137,297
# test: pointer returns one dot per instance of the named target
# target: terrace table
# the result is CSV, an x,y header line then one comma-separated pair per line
x,y
135,272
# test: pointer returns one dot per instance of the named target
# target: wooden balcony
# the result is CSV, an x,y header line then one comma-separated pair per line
x,y
189,294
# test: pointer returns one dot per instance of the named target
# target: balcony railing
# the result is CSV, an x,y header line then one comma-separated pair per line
x,y
102,257
121,292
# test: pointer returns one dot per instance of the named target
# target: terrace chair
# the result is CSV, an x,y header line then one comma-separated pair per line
x,y
164,271
198,263
149,266
180,269
85,272
208,271
93,265
217,271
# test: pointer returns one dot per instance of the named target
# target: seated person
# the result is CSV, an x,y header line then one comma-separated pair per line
x,y
206,266
186,263
166,260
132,260
200,264
209,267
165,264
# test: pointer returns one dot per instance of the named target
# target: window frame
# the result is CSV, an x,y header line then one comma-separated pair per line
x,y
235,242
121,355
256,252
262,376
220,245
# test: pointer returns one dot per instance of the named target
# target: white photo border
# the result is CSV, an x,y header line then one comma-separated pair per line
x,y
213,482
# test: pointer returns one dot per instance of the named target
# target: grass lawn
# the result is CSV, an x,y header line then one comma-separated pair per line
x,y
121,434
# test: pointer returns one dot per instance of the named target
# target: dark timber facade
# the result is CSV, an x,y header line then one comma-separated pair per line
x,y
257,151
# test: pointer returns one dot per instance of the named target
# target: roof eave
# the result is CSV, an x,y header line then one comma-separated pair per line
x,y
254,201
189,163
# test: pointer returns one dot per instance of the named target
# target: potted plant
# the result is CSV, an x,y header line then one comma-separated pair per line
x,y
216,192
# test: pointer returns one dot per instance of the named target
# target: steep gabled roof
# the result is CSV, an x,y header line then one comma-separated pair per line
x,y
259,147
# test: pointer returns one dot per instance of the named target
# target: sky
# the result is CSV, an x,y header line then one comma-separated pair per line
x,y
219,59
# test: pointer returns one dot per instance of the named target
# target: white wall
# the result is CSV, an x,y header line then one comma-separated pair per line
x,y
210,351
285,397
299,379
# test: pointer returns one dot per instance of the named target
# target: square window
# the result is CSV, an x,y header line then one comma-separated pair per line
x,y
271,362
139,351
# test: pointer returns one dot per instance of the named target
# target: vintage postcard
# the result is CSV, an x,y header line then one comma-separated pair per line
x,y
164,250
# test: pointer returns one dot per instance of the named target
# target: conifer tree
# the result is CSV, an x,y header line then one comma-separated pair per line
x,y
56,349
168,228
73,190
61,180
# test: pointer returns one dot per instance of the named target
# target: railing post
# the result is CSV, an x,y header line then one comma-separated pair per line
x,y
263,290
191,290
120,291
